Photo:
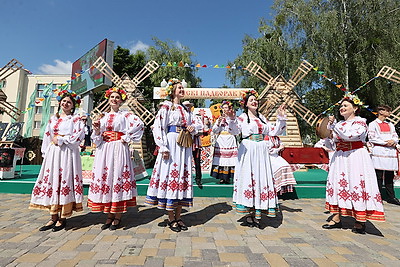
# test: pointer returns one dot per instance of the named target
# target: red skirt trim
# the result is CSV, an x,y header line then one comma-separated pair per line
x,y
361,216
112,207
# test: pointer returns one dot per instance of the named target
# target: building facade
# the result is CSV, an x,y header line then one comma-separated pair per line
x,y
19,89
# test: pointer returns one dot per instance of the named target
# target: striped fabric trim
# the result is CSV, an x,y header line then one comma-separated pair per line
x,y
112,207
361,216
168,204
241,209
65,210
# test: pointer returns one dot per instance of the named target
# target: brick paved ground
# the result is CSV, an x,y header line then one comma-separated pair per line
x,y
215,238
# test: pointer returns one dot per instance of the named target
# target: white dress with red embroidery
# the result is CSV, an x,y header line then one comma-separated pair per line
x,y
383,157
253,181
283,171
113,185
171,180
225,151
59,186
352,187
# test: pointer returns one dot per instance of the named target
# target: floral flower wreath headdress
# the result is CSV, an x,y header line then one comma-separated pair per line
x,y
246,94
226,103
354,98
68,93
170,86
115,90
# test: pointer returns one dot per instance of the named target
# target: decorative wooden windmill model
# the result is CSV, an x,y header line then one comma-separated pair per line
x,y
11,67
279,91
130,86
394,76
133,95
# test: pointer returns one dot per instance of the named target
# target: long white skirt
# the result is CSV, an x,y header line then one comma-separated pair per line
x,y
253,180
225,151
59,186
113,186
352,187
171,180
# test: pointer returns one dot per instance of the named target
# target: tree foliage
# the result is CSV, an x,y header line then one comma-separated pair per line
x,y
161,51
350,40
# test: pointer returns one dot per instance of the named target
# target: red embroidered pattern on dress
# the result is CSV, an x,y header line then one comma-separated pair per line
x,y
184,121
259,125
57,125
110,122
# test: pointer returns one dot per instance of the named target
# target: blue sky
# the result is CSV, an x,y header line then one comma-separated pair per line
x,y
48,35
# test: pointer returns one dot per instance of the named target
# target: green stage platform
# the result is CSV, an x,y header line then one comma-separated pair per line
x,y
310,184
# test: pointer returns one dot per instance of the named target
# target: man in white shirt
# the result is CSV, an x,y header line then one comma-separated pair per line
x,y
383,137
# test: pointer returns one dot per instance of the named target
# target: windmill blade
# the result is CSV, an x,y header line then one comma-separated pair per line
x,y
395,116
10,68
104,68
147,70
257,71
300,110
9,109
390,74
304,68
100,109
271,100
146,116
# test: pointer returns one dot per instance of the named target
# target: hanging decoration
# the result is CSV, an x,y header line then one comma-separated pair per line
x,y
182,64
344,89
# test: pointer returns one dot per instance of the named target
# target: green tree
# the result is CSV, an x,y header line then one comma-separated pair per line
x,y
350,40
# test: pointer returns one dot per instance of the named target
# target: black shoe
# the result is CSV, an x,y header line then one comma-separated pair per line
x,y
182,225
359,230
47,227
107,225
249,222
394,201
199,184
174,226
60,227
332,226
115,226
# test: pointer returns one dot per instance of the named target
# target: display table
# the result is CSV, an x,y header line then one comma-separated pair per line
x,y
9,172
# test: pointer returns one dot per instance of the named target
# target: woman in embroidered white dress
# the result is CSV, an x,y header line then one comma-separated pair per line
x,y
352,188
113,186
225,151
283,171
59,186
171,185
254,190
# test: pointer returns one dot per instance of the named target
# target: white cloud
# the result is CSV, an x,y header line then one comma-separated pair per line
x,y
179,45
60,67
139,45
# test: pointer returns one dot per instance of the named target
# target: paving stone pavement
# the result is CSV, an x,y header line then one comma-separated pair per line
x,y
215,238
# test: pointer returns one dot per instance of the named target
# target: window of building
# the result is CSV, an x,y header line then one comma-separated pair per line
x,y
41,86
52,110
37,124
2,84
38,110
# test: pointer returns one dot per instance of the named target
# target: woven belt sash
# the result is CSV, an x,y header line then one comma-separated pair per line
x,y
109,136
347,146
225,133
255,137
174,128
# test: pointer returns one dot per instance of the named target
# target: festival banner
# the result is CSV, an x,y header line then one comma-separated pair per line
x,y
204,93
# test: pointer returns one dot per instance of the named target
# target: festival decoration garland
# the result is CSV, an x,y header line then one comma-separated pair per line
x,y
348,94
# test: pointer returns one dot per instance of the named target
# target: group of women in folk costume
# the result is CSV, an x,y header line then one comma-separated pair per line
x,y
351,187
